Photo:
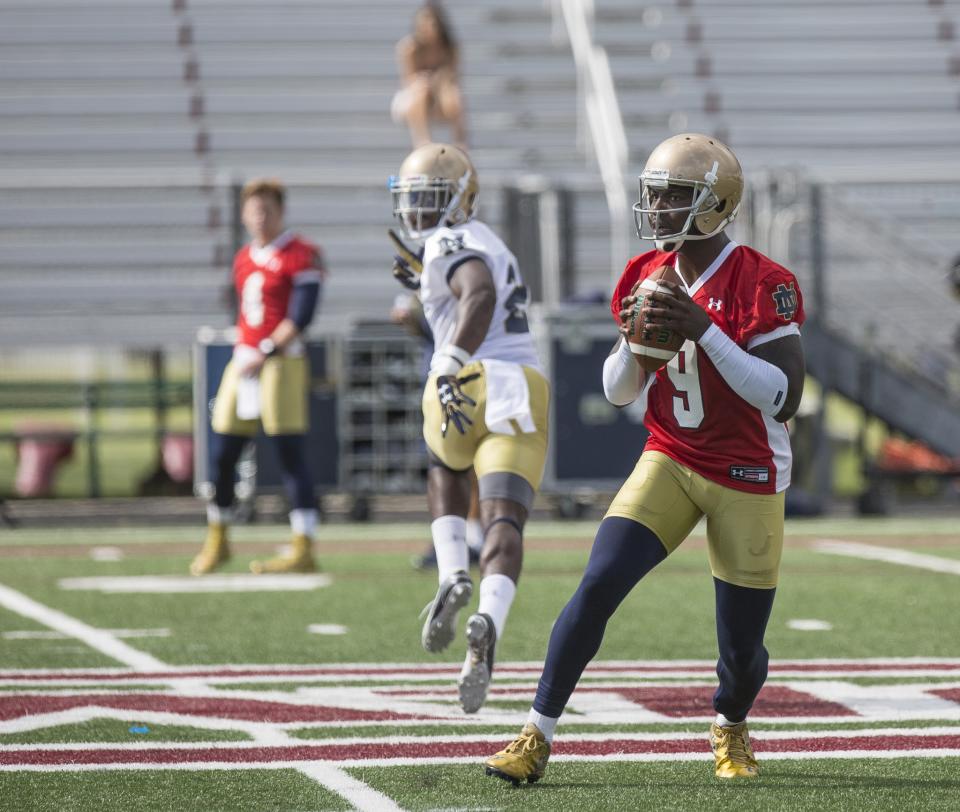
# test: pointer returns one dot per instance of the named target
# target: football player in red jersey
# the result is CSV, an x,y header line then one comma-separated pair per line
x,y
717,448
277,277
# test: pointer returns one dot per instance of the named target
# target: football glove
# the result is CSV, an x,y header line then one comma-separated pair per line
x,y
407,264
452,400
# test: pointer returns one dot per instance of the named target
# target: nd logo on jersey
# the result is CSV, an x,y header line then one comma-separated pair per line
x,y
450,245
785,298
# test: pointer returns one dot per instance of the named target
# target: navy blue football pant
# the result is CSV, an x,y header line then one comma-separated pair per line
x,y
297,479
623,552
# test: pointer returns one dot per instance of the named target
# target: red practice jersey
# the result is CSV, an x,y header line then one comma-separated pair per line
x,y
693,416
265,278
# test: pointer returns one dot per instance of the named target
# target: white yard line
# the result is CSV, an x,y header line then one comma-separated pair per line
x,y
890,555
48,635
261,733
98,639
802,755
485,738
175,584
364,798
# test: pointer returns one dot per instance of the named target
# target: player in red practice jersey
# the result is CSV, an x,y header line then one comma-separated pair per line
x,y
718,447
277,277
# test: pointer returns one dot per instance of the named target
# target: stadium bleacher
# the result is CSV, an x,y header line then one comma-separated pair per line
x,y
129,121
125,124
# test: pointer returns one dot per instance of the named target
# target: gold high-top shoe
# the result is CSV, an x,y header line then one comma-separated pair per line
x,y
215,551
524,759
298,558
732,751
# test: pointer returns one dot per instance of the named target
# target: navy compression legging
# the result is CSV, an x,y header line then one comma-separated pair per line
x,y
742,615
623,552
297,479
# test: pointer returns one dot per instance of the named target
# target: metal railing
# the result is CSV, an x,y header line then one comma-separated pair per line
x,y
599,119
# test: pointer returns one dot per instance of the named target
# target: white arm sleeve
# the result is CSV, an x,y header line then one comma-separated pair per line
x,y
622,376
758,382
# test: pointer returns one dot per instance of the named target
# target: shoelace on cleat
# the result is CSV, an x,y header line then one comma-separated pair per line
x,y
523,743
736,746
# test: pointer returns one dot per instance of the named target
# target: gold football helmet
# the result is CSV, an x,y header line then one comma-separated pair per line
x,y
437,185
703,164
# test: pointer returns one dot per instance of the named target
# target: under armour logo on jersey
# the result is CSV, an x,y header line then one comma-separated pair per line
x,y
785,298
714,304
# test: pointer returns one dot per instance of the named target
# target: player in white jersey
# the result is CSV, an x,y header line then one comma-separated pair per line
x,y
484,404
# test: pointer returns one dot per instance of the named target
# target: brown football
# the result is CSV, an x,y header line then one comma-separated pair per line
x,y
653,348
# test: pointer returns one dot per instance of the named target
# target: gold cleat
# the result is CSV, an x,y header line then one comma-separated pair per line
x,y
524,759
216,551
298,558
732,751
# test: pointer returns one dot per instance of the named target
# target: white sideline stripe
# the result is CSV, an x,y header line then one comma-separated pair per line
x,y
487,738
890,555
98,639
167,584
666,678
707,756
258,731
125,633
419,762
363,797
535,666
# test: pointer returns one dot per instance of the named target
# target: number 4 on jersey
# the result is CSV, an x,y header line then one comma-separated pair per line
x,y
516,304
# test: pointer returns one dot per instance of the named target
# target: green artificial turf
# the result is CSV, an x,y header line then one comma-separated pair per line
x,y
851,786
165,790
876,610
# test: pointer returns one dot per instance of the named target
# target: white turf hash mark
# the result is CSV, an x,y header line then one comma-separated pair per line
x,y
803,625
326,628
169,584
107,554
890,555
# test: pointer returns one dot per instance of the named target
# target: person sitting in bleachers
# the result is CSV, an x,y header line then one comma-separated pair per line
x,y
429,61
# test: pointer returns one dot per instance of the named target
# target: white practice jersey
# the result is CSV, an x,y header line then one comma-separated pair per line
x,y
446,249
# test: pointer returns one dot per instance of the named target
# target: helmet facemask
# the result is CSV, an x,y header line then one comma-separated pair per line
x,y
703,202
421,203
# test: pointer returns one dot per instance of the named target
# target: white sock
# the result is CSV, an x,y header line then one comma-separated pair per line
x,y
723,721
303,522
218,515
546,724
450,542
496,595
474,535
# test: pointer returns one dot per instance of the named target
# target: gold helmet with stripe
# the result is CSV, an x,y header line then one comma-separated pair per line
x,y
707,167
